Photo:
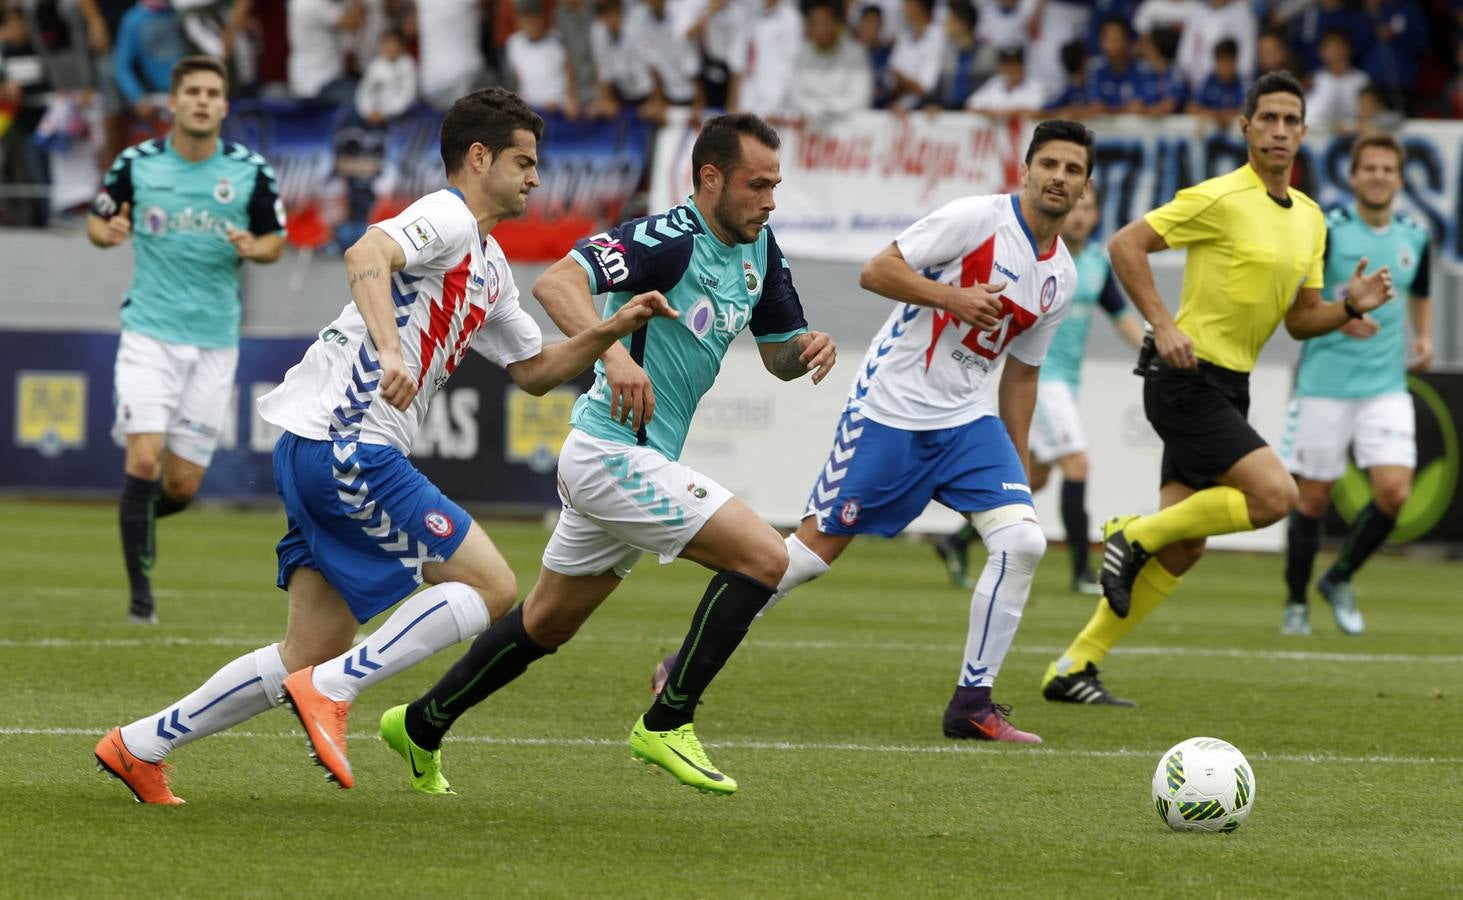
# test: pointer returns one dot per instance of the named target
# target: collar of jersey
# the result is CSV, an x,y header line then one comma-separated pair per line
x,y
1026,229
1351,208
458,194
720,245
218,146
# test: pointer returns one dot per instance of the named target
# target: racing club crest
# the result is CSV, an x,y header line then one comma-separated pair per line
x,y
753,285
439,523
848,515
1048,292
1405,260
490,273
223,192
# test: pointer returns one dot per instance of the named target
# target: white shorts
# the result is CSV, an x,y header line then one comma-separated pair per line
x,y
176,390
1381,431
620,501
1056,429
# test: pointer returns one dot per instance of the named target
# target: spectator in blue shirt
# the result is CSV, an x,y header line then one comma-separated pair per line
x,y
1398,45
1222,95
1074,101
1161,84
1112,81
967,62
869,32
1310,25
149,42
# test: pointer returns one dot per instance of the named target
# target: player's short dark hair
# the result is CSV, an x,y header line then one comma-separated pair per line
x,y
1279,82
1335,32
720,142
1385,141
489,117
1012,53
1226,49
871,9
1063,130
1116,20
191,64
928,5
833,7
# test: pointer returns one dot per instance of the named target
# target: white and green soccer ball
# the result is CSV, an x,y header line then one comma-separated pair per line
x,y
1203,784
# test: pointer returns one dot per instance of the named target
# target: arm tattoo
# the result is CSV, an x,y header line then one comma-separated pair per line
x,y
785,363
358,277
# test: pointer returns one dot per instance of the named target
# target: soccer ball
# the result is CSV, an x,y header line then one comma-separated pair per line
x,y
1203,784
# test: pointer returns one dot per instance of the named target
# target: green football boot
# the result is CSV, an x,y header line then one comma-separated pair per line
x,y
679,753
426,765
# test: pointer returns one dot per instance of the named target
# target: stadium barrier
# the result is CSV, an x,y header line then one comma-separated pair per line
x,y
487,443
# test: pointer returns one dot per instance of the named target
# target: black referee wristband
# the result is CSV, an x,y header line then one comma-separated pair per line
x,y
1351,310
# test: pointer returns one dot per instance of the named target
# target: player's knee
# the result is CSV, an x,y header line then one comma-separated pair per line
x,y
144,465
1390,497
765,560
498,593
1022,543
1274,503
1312,503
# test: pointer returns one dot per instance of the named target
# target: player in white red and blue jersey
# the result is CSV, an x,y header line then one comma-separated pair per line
x,y
979,281
365,528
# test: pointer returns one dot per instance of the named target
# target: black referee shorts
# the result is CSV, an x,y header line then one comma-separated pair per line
x,y
1201,417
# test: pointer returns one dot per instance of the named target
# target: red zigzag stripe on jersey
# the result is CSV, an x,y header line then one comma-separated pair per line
x,y
975,268
439,328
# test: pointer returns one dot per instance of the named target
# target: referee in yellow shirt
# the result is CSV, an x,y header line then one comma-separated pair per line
x,y
1255,257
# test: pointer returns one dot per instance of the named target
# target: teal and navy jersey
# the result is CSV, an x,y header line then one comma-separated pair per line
x,y
1096,286
1334,365
718,289
185,273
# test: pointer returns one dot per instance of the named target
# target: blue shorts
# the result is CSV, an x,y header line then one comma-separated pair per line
x,y
879,479
363,517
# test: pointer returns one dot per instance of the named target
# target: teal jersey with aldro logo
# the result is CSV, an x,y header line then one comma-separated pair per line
x,y
719,290
185,273
1336,365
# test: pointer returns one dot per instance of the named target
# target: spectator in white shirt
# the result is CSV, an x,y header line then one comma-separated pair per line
x,y
1003,23
318,33
773,40
622,73
450,60
1010,92
1331,102
914,64
538,63
1219,20
831,73
1175,14
389,86
719,31
664,41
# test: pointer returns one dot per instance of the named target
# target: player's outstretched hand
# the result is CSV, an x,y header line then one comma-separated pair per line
x,y
1367,292
640,309
397,385
1362,328
119,227
630,391
819,354
1174,347
243,242
978,306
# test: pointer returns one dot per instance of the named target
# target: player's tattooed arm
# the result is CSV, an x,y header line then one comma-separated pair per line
x,y
813,352
363,275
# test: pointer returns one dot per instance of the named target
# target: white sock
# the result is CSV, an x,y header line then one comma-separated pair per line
x,y
240,690
1000,595
803,565
431,620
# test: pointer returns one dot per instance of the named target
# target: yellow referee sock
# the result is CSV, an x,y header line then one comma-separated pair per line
x,y
1216,510
1104,629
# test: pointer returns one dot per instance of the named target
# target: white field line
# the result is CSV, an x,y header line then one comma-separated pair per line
x,y
794,747
1222,652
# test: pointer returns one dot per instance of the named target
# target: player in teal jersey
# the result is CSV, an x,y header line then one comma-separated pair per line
x,y
1056,431
195,208
623,488
1351,388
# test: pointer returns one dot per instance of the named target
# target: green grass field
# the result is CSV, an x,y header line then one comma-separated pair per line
x,y
828,717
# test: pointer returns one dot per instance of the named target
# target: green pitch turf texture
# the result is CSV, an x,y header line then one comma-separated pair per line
x,y
829,717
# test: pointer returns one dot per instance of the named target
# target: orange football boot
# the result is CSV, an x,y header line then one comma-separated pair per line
x,y
324,723
148,781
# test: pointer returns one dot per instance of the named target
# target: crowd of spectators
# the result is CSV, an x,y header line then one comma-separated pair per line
x,y
98,69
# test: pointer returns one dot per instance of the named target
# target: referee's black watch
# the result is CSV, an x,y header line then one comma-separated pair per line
x,y
1351,309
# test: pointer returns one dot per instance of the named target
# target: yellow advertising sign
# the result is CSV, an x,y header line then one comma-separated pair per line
x,y
537,426
50,411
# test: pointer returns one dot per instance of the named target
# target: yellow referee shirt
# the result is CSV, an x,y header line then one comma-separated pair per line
x,y
1248,257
